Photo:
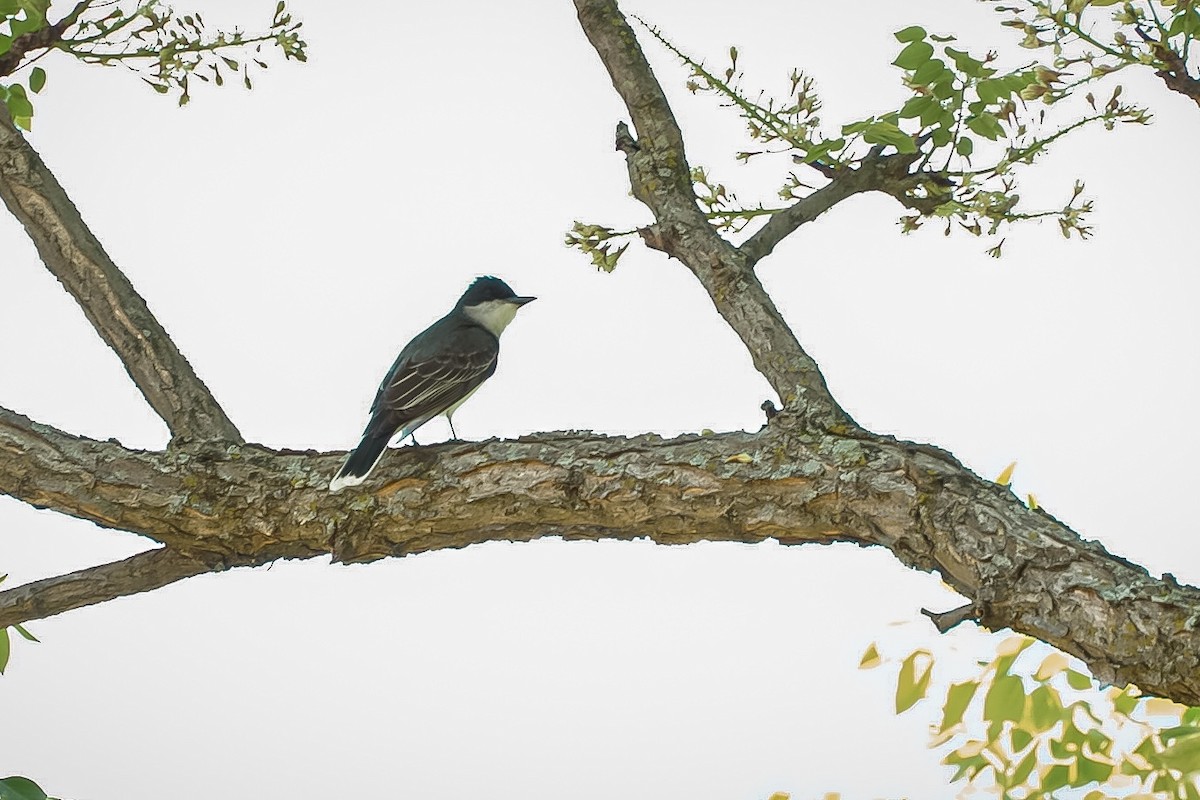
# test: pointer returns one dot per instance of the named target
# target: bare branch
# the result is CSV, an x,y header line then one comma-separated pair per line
x,y
111,304
661,178
140,573
1021,568
1176,75
784,223
877,173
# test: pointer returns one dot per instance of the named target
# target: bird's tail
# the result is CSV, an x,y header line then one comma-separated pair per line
x,y
363,458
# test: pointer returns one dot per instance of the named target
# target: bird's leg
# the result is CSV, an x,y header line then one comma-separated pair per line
x,y
453,435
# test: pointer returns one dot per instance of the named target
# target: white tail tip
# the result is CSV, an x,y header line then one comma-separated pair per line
x,y
342,481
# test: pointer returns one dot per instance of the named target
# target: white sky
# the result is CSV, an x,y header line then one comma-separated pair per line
x,y
292,239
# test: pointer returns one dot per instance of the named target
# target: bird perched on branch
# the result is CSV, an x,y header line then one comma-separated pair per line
x,y
435,373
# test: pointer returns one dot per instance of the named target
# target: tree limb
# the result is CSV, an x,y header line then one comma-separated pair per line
x,y
1021,568
661,179
33,40
877,173
1174,73
784,223
143,572
115,309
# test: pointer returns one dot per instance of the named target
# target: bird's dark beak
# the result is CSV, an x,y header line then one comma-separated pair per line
x,y
520,301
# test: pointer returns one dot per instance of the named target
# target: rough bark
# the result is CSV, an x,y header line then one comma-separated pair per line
x,y
143,572
118,313
250,505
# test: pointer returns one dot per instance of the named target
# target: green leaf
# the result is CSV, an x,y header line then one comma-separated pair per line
x,y
1019,81
1077,680
1183,755
935,114
1125,702
965,146
870,659
37,79
1055,778
18,788
1165,783
911,686
1186,22
1020,739
1045,709
26,634
852,128
914,55
972,67
916,106
930,71
18,101
987,126
5,649
912,33
991,90
1097,742
889,133
1022,770
1005,700
957,700
1088,771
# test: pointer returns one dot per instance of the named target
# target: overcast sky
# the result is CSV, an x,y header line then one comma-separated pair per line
x,y
293,238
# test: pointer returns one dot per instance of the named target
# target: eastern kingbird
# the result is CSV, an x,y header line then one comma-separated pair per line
x,y
435,373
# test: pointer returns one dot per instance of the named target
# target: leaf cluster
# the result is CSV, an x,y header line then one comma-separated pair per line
x,y
594,240
1090,39
165,48
1027,728
961,137
966,126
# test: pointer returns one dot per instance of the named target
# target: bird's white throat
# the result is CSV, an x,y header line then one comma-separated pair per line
x,y
492,314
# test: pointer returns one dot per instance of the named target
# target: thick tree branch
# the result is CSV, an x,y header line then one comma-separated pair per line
x,y
1176,76
1175,73
141,573
28,42
660,178
249,505
111,304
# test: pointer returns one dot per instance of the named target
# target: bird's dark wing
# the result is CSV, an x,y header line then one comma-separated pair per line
x,y
438,369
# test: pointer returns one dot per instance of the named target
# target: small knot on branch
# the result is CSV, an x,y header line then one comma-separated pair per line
x,y
946,620
625,141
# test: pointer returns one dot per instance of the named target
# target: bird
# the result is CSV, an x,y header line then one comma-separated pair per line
x,y
435,373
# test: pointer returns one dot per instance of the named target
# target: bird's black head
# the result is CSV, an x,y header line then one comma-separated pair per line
x,y
489,288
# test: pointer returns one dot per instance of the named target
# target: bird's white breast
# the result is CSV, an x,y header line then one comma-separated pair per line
x,y
492,314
